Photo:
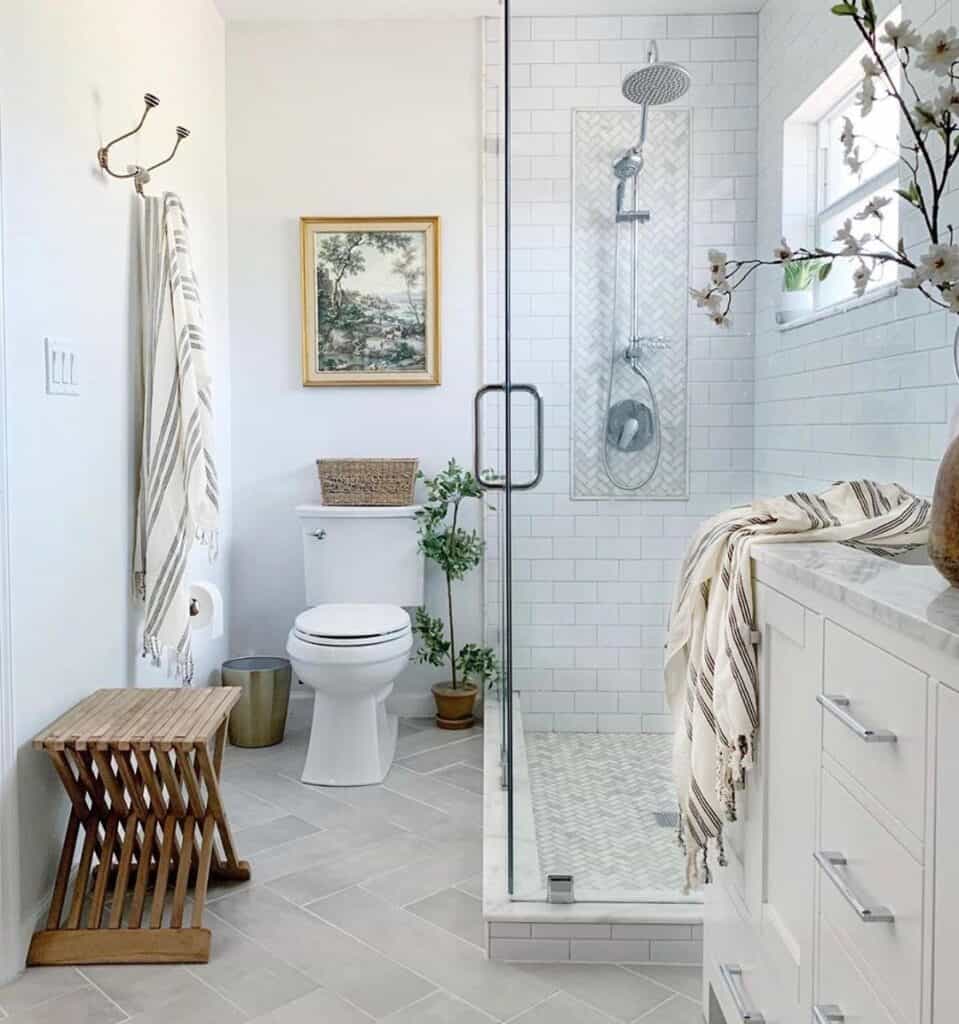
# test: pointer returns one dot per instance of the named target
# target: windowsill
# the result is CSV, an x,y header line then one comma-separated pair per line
x,y
885,291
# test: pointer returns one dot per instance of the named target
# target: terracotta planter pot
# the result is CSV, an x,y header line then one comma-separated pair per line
x,y
454,708
944,521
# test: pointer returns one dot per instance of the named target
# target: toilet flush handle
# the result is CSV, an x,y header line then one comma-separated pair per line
x,y
319,534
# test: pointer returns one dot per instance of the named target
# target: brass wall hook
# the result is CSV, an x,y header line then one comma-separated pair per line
x,y
140,175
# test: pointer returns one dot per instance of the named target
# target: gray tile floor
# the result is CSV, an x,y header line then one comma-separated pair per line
x,y
364,905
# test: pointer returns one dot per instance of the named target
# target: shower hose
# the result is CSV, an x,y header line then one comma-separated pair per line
x,y
631,357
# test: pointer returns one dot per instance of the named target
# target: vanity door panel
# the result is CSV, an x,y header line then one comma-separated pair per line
x,y
946,964
770,847
790,656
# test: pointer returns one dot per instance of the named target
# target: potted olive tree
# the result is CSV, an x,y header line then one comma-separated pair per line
x,y
457,552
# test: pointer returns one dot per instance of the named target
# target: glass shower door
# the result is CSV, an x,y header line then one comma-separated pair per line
x,y
508,461
588,503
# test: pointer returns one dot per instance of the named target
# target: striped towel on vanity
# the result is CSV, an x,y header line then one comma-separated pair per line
x,y
178,499
711,668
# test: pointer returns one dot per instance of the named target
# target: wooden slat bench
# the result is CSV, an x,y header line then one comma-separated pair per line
x,y
142,771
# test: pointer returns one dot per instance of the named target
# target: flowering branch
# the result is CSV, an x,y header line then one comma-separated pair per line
x,y
936,273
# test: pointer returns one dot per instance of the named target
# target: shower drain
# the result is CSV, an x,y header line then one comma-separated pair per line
x,y
666,819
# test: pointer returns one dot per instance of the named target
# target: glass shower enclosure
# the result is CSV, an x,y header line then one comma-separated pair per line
x,y
582,439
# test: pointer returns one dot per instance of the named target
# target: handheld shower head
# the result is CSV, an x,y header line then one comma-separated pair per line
x,y
628,165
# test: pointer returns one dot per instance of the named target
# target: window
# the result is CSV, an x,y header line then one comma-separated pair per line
x,y
841,193
820,191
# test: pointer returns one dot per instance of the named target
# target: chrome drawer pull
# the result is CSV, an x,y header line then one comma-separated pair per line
x,y
830,861
729,973
826,1013
837,706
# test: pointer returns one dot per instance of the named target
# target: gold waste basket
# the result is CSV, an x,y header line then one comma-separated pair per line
x,y
259,719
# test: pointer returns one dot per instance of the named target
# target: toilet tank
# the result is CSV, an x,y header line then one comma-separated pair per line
x,y
364,555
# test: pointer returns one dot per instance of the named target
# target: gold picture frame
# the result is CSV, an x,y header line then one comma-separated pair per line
x,y
385,330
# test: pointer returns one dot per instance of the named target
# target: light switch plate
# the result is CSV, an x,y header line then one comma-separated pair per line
x,y
62,365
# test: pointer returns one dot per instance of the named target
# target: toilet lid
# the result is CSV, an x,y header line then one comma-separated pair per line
x,y
352,621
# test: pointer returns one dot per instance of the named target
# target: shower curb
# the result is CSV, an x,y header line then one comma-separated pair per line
x,y
530,930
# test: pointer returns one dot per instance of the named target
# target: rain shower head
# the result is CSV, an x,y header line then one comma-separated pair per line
x,y
658,82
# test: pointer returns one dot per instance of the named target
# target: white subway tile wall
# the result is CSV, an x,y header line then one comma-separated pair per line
x,y
592,580
866,392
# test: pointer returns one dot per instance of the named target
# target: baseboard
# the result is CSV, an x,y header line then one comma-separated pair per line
x,y
30,922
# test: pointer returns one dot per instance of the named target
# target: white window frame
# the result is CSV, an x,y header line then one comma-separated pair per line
x,y
826,208
805,209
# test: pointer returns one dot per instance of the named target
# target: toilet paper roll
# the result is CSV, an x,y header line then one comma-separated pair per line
x,y
209,602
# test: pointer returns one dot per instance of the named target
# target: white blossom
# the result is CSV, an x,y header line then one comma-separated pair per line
x,y
860,279
947,102
853,162
866,95
783,251
903,36
873,208
706,299
851,245
951,296
721,319
870,68
847,136
717,266
940,49
940,264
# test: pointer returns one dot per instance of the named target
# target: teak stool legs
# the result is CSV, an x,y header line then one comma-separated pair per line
x,y
147,819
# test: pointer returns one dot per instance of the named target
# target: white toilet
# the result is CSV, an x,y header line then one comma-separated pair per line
x,y
363,567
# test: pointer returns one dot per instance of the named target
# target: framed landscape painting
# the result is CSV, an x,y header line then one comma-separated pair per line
x,y
371,301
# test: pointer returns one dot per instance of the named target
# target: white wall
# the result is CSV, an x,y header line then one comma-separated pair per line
x,y
71,76
341,119
593,579
863,393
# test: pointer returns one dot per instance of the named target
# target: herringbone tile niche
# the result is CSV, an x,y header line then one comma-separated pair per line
x,y
601,304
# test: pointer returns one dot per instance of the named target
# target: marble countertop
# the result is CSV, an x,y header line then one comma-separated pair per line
x,y
910,598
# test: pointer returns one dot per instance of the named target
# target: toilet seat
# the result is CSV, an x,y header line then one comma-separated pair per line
x,y
352,625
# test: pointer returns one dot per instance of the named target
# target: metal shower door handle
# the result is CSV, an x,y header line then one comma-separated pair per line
x,y
496,484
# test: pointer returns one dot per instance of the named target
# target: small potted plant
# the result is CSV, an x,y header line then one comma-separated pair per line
x,y
457,552
798,279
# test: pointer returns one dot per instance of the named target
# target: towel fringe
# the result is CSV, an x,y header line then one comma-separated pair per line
x,y
210,539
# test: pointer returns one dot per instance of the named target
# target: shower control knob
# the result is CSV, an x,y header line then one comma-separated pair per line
x,y
319,534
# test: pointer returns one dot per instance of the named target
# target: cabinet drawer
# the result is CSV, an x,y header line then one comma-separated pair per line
x,y
884,694
839,984
878,872
735,969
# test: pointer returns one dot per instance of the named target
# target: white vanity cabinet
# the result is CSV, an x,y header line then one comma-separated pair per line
x,y
840,901
758,960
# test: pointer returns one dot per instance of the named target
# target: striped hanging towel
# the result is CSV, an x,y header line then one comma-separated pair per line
x,y
178,500
711,669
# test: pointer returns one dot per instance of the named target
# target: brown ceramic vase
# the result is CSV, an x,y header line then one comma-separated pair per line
x,y
454,707
944,522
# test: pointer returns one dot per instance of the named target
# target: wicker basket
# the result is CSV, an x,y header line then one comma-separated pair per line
x,y
367,481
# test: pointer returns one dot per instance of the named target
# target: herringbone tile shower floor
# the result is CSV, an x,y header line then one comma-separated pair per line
x,y
595,800
365,905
